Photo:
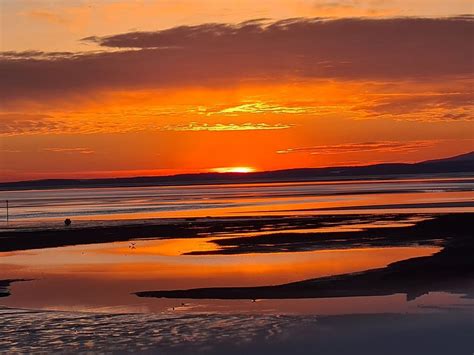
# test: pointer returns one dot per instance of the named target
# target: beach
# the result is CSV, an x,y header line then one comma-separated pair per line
x,y
259,280
237,177
446,331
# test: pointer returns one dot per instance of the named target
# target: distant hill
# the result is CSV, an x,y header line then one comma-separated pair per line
x,y
468,157
448,166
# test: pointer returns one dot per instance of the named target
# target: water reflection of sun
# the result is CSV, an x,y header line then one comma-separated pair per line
x,y
234,169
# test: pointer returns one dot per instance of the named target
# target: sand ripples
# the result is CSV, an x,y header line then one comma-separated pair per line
x,y
32,331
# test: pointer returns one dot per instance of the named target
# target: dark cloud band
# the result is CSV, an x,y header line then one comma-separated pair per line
x,y
222,54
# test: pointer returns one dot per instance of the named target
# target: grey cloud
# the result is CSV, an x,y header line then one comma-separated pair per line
x,y
223,54
378,146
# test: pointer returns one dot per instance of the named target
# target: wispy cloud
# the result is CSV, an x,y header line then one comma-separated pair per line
x,y
219,127
380,146
77,150
112,122
261,108
10,151
47,16
12,124
427,106
73,18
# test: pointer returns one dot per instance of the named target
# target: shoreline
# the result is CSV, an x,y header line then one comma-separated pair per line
x,y
451,269
93,232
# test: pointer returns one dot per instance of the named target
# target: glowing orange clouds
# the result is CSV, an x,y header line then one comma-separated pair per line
x,y
234,169
219,127
236,96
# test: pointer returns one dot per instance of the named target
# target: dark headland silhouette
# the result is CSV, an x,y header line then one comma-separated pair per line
x,y
448,166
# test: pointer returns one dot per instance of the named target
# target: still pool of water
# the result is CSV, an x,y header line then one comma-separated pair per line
x,y
103,277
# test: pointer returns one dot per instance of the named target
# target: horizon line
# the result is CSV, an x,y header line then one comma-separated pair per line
x,y
228,173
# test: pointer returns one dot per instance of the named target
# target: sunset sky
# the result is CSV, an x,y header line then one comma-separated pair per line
x,y
127,88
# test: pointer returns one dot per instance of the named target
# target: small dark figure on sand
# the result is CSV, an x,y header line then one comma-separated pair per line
x,y
67,222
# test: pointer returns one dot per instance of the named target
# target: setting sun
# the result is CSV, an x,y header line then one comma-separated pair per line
x,y
234,169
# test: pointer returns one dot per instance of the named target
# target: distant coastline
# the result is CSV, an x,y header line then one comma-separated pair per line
x,y
457,166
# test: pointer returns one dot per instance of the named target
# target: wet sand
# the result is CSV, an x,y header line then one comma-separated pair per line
x,y
450,270
442,330
58,235
447,331
434,229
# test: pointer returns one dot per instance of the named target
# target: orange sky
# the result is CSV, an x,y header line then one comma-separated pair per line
x,y
86,95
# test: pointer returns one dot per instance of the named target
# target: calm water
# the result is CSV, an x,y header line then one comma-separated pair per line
x,y
240,200
103,277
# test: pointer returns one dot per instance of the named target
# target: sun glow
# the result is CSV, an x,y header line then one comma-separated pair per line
x,y
234,169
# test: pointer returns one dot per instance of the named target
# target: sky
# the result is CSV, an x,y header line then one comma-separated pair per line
x,y
132,88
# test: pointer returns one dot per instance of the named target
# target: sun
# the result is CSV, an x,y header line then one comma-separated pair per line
x,y
234,169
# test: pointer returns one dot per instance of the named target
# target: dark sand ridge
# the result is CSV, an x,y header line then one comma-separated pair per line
x,y
42,237
450,270
432,230
4,287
